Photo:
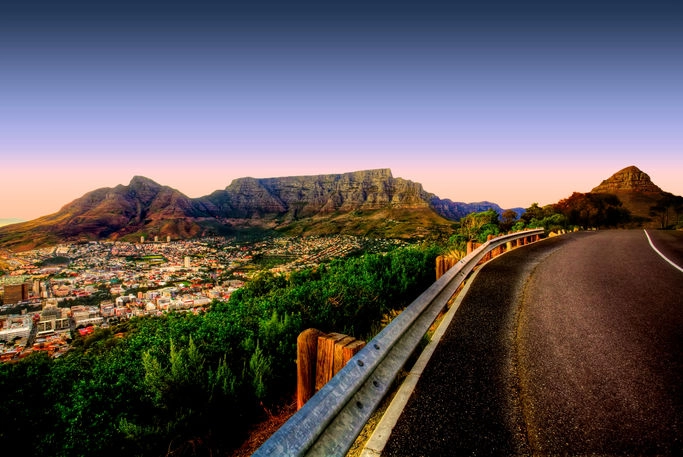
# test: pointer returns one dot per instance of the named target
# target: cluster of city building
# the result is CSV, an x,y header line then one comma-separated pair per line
x,y
52,295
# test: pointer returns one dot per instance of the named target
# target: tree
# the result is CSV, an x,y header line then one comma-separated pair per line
x,y
533,212
668,210
593,210
477,226
507,220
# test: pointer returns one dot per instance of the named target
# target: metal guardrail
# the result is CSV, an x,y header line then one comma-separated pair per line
x,y
328,424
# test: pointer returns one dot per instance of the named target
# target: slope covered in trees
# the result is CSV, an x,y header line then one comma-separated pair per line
x,y
185,384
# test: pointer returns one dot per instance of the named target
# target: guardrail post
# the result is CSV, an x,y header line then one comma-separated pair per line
x,y
307,350
320,356
348,350
440,266
443,264
489,255
325,363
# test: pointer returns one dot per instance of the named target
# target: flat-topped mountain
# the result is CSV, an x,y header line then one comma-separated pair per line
x,y
368,203
305,196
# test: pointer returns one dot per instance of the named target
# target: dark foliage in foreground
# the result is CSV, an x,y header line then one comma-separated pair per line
x,y
186,384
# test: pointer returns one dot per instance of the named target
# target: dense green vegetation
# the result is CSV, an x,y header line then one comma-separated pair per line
x,y
186,384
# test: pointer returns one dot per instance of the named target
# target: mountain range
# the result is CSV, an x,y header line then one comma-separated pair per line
x,y
368,203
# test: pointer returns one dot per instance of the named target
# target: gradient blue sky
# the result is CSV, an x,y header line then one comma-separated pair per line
x,y
512,102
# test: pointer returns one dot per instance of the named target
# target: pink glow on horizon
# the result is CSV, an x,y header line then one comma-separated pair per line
x,y
43,187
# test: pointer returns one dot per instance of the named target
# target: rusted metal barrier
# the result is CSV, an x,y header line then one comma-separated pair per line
x,y
330,421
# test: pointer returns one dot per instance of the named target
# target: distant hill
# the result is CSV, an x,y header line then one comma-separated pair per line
x,y
629,198
629,180
112,213
4,222
366,203
648,204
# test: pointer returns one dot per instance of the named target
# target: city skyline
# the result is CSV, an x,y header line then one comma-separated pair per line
x,y
512,104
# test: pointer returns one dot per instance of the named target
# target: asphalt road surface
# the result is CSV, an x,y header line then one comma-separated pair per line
x,y
570,346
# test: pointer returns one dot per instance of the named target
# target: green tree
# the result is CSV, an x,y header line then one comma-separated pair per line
x,y
477,226
593,210
260,372
668,210
507,220
533,212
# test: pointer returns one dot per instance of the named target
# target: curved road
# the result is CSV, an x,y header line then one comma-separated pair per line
x,y
570,346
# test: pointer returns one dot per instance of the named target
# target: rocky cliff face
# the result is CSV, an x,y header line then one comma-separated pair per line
x,y
630,179
306,196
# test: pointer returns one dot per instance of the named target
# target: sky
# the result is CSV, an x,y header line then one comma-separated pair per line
x,y
510,102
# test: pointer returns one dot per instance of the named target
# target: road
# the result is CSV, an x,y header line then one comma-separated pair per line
x,y
570,346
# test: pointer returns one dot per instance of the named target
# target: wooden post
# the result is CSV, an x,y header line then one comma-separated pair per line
x,y
350,350
325,364
470,246
489,255
307,350
440,268
339,361
320,356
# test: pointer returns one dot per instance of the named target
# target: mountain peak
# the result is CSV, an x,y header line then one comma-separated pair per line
x,y
138,181
630,179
